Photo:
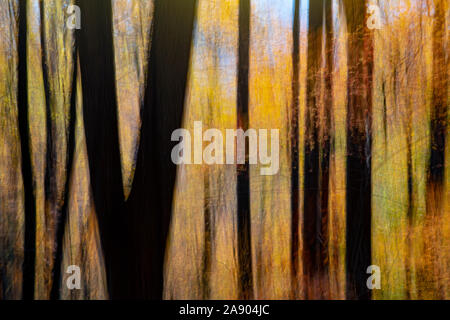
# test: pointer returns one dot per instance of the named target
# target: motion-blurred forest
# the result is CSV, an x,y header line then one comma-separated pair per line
x,y
86,176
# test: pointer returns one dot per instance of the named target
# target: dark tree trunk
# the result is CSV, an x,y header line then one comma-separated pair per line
x,y
134,233
359,144
96,50
440,98
243,180
438,130
295,145
149,206
30,213
317,150
325,135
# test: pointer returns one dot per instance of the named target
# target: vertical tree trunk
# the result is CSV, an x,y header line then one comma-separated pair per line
x,y
295,205
360,64
95,41
325,136
438,132
317,148
337,52
148,209
13,152
134,261
30,218
440,99
243,181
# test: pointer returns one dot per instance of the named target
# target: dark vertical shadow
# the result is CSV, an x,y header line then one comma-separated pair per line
x,y
312,202
30,217
96,52
435,199
359,150
439,100
208,237
243,181
410,210
326,132
294,147
149,207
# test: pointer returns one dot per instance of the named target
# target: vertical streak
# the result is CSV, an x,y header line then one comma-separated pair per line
x,y
359,119
243,182
30,218
410,205
150,204
207,243
440,98
95,43
438,130
295,147
324,138
312,166
50,192
337,214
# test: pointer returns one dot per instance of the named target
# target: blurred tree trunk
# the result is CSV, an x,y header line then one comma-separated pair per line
x,y
438,132
359,121
317,148
96,51
12,108
243,182
296,249
337,246
148,209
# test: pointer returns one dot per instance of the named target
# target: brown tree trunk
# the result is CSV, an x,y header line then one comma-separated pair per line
x,y
438,131
30,217
295,148
359,120
317,149
243,181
